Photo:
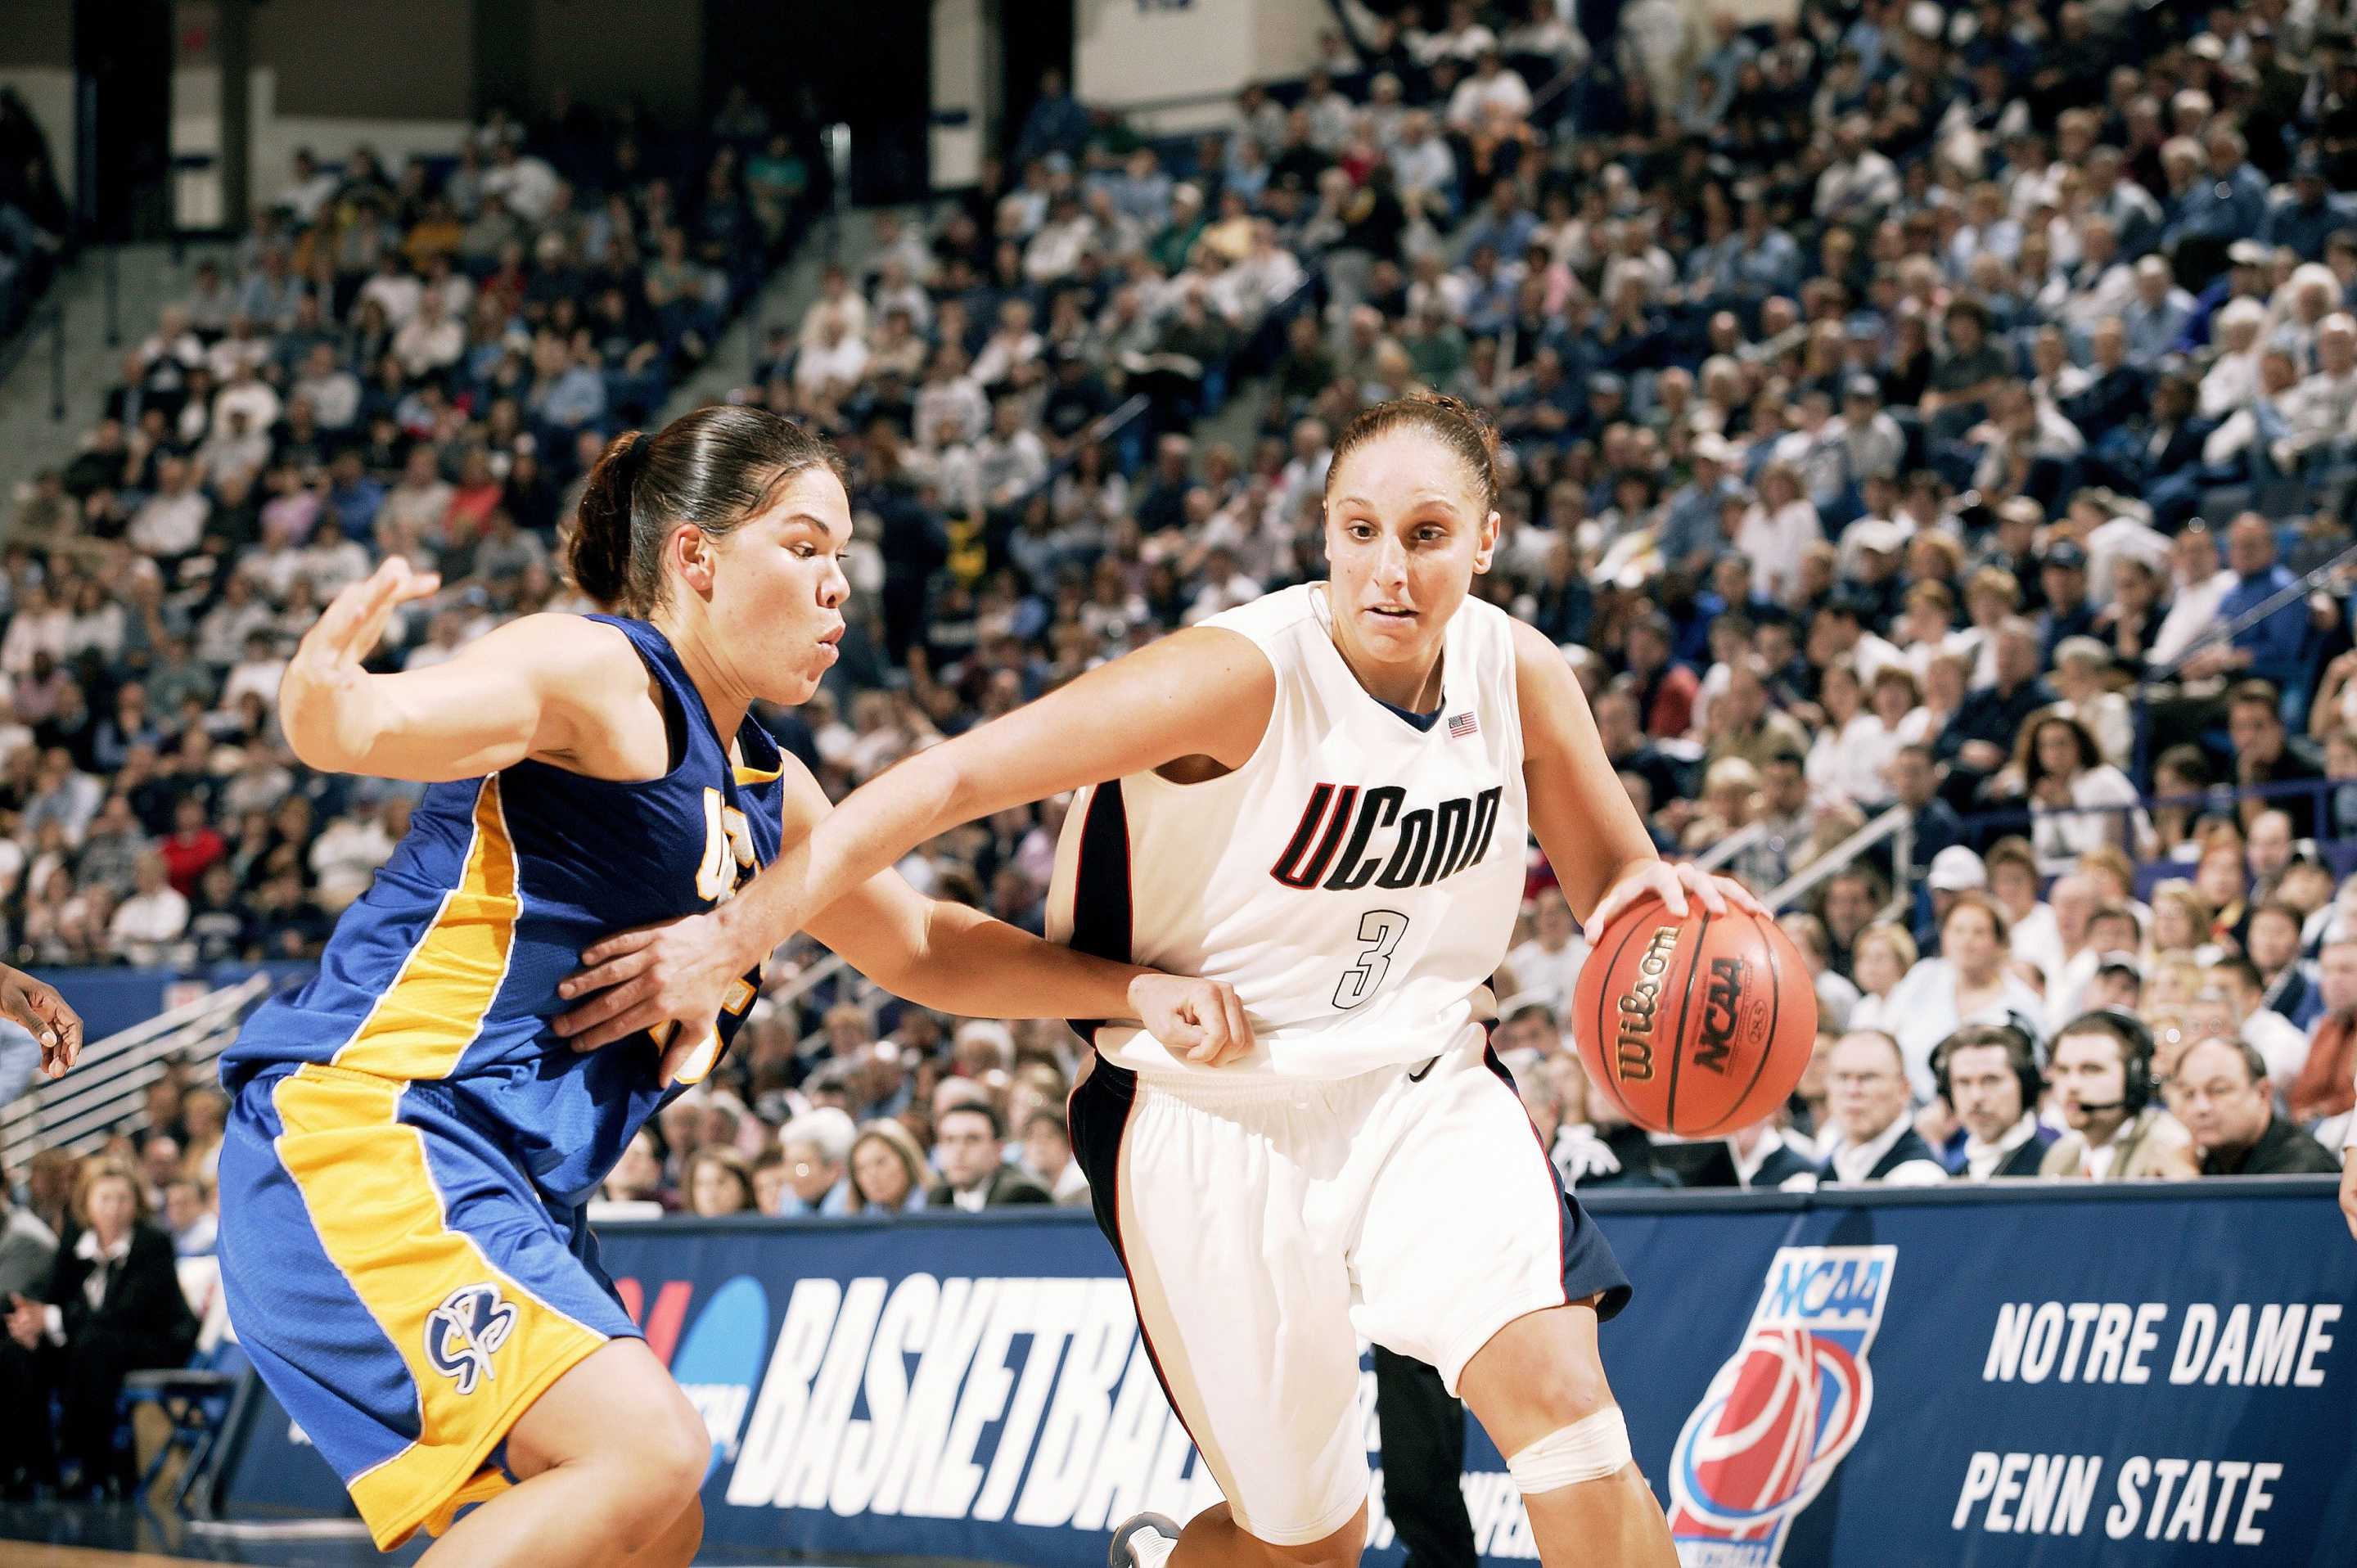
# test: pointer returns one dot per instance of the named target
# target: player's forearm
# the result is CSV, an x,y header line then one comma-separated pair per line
x,y
402,727
973,964
868,832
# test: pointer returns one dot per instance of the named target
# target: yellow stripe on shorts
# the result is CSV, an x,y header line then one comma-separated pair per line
x,y
372,1200
372,1197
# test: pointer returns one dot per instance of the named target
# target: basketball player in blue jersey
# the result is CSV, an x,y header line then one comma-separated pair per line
x,y
411,1144
1325,797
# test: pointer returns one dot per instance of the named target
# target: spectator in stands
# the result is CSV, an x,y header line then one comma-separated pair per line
x,y
2320,1096
2265,753
1547,965
718,1182
113,1306
2282,1043
1989,1074
1872,1138
2222,1092
817,1149
2102,1069
1914,782
191,1216
1879,961
969,1140
1768,1155
2077,801
1980,737
638,1177
1970,982
1046,1156
888,1170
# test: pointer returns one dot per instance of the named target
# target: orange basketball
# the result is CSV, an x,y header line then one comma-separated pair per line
x,y
1697,1027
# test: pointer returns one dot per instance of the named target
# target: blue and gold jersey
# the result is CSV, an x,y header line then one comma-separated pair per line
x,y
447,969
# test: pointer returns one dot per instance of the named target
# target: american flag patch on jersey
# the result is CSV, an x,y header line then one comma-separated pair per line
x,y
1461,726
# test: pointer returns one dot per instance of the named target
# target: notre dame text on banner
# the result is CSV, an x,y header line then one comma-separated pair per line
x,y
2021,1375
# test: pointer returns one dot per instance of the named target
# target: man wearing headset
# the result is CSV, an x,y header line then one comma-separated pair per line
x,y
1988,1072
2102,1069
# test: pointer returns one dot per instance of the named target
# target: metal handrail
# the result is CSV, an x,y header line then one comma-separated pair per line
x,y
128,1048
810,1044
1727,848
1824,867
110,1084
2283,597
809,980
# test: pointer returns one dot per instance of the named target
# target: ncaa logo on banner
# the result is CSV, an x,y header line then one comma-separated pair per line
x,y
1783,1410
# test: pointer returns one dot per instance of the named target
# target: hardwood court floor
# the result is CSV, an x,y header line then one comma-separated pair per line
x,y
83,1535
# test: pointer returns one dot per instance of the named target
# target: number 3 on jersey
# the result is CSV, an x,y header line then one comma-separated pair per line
x,y
1381,929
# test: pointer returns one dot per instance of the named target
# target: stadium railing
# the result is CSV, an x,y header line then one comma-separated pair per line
x,y
1896,825
2157,685
2340,854
107,1090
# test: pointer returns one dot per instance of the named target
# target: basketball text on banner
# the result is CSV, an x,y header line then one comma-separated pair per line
x,y
2013,1378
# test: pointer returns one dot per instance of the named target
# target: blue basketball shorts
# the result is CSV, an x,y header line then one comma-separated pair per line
x,y
400,1283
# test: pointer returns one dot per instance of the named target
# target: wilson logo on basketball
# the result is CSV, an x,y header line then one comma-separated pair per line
x,y
1782,1411
1640,1004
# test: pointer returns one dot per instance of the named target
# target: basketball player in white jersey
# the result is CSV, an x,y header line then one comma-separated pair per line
x,y
1324,798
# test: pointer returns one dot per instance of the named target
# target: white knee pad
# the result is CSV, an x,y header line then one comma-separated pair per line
x,y
1586,1450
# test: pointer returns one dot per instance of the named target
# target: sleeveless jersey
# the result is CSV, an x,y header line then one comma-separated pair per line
x,y
446,969
1356,880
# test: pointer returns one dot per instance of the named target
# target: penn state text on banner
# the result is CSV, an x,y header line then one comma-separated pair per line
x,y
1887,1379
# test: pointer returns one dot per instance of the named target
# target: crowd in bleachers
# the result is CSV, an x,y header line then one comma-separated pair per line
x,y
1909,406
1898,401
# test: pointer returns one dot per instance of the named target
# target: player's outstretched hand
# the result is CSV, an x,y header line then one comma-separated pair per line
x,y
327,663
36,1004
1203,1020
1673,884
677,973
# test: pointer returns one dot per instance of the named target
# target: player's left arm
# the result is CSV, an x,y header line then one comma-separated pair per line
x,y
1603,858
955,959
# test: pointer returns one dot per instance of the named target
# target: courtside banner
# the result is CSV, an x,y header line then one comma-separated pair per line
x,y
2023,1375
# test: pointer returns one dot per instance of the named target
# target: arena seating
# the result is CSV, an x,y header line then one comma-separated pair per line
x,y
1880,393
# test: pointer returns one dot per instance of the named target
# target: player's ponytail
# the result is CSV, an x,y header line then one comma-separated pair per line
x,y
711,469
599,557
1455,424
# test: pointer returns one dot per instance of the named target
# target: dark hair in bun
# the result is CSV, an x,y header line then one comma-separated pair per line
x,y
714,468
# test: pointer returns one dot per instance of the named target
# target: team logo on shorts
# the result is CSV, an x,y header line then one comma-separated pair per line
x,y
1784,1409
465,1331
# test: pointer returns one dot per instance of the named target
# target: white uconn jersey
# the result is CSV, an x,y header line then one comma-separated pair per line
x,y
1356,880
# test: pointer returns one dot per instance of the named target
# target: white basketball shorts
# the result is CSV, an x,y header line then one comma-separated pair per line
x,y
1266,1224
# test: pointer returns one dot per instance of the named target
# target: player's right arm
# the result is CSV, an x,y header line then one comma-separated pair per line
x,y
1206,691
539,686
